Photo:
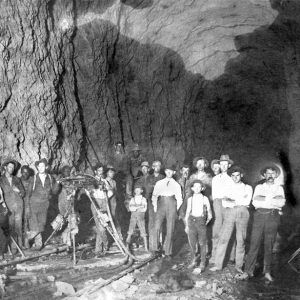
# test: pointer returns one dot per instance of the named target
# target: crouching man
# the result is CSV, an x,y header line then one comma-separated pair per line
x,y
268,200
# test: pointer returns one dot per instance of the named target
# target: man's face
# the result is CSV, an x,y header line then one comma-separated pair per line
x,y
169,173
156,166
185,172
110,174
10,167
66,172
197,188
99,171
200,165
216,169
270,175
145,170
136,153
25,173
41,167
236,177
224,165
119,148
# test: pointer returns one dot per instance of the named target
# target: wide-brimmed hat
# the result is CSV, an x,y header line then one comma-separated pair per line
x,y
98,165
235,169
64,168
110,167
136,147
43,160
138,186
225,157
214,162
196,159
197,181
10,160
170,166
272,167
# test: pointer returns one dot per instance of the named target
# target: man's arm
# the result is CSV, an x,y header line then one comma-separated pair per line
x,y
209,211
155,195
178,195
278,201
188,211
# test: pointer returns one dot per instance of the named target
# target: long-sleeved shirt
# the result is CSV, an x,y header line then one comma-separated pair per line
x,y
195,206
269,191
241,193
167,187
221,186
138,204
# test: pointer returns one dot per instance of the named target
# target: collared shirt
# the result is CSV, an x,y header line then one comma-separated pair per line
x,y
195,206
167,187
43,178
269,191
221,186
138,204
241,193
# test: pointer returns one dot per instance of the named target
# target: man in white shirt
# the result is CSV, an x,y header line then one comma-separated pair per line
x,y
268,200
221,188
166,200
236,216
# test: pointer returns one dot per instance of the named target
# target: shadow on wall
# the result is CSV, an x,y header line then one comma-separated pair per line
x,y
148,96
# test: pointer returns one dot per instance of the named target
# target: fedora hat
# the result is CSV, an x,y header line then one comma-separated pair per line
x,y
197,181
43,160
225,157
110,167
136,147
196,159
272,167
10,160
214,162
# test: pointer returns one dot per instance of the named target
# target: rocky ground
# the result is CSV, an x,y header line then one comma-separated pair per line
x,y
55,277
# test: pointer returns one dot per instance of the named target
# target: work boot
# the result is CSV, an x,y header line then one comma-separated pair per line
x,y
146,243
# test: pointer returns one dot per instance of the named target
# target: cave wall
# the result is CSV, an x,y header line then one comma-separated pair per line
x,y
181,78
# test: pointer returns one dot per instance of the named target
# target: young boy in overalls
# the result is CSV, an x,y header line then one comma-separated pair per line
x,y
198,215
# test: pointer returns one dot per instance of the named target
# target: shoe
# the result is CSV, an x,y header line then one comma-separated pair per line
x,y
214,269
269,277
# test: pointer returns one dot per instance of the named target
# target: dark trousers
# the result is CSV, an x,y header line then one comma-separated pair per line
x,y
151,226
15,225
197,235
166,209
265,225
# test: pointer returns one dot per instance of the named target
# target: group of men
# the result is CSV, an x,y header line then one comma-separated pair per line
x,y
166,190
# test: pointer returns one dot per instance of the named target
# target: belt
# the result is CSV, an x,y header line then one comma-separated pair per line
x,y
167,197
267,211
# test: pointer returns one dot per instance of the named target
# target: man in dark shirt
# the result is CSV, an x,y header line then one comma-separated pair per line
x,y
13,193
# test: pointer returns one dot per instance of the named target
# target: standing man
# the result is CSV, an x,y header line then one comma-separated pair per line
x,y
236,216
25,179
39,195
268,200
166,200
135,161
99,172
13,193
221,189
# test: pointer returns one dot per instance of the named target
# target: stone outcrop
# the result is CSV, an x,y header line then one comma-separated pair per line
x,y
180,78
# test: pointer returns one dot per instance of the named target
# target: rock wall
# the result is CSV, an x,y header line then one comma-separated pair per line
x,y
181,78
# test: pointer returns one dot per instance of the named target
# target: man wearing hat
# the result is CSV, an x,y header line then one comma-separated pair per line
x,y
166,200
135,160
221,189
39,194
268,200
13,193
183,180
236,216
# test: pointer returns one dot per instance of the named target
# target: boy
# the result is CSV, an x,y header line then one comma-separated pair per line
x,y
138,207
198,215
